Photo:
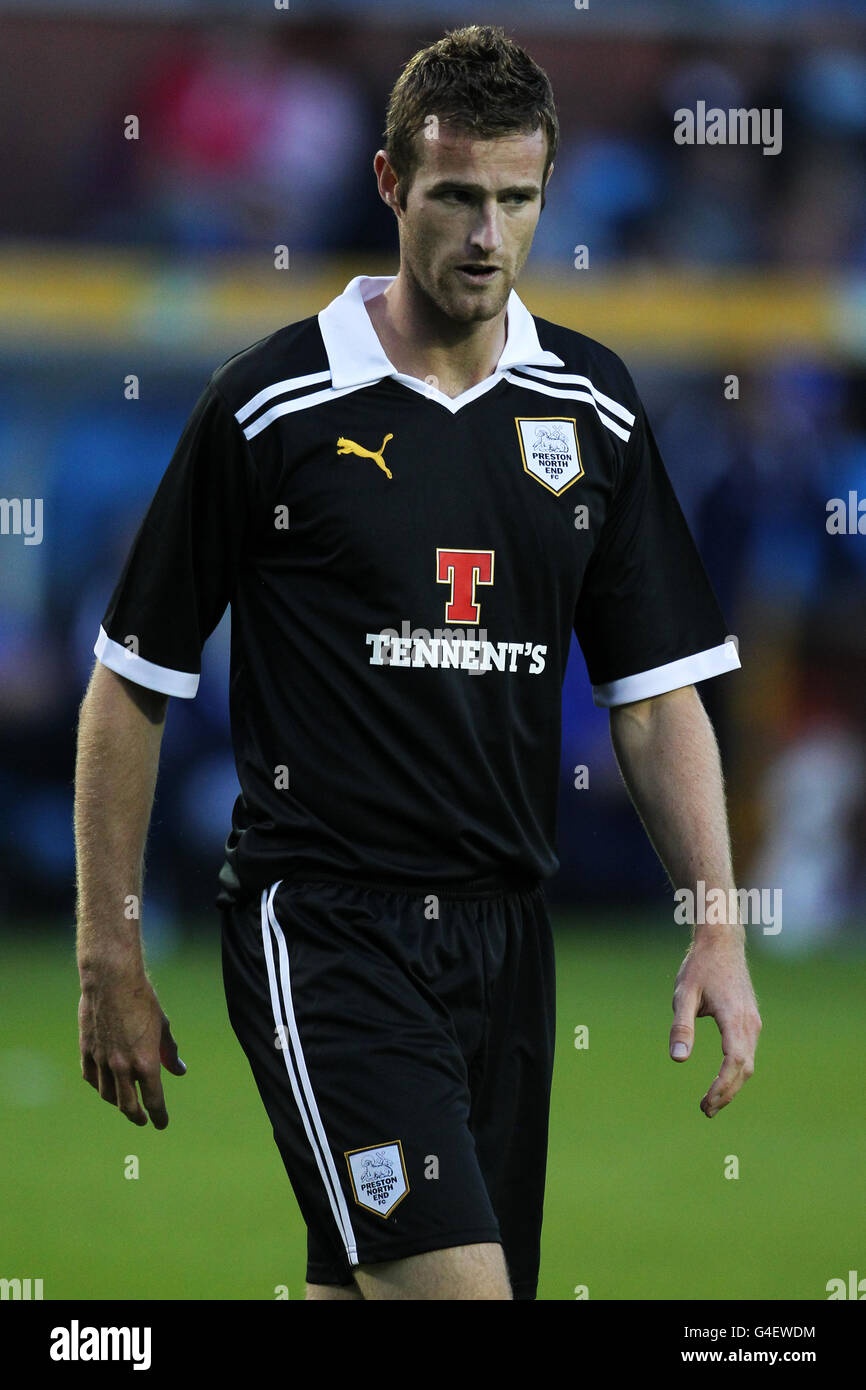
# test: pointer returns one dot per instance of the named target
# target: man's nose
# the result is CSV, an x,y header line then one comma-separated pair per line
x,y
487,232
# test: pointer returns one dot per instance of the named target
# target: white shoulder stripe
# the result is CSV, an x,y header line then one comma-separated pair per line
x,y
301,403
570,396
280,388
568,379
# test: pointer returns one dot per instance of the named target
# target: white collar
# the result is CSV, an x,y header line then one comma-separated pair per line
x,y
357,358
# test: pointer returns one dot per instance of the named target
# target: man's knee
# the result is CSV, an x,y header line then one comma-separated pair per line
x,y
459,1272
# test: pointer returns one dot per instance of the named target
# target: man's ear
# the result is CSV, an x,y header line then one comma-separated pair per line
x,y
544,186
387,181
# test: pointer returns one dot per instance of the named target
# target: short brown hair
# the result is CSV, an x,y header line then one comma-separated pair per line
x,y
475,79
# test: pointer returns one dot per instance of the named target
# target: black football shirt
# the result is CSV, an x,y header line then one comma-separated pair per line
x,y
405,571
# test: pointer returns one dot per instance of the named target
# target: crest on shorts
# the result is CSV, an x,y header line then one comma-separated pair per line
x,y
378,1176
550,451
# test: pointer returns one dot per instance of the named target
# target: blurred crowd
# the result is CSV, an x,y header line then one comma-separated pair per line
x,y
254,142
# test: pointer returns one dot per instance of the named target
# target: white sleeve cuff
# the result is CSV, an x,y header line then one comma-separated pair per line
x,y
135,668
689,669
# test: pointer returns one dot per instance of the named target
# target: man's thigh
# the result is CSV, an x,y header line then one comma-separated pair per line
x,y
463,1272
333,1293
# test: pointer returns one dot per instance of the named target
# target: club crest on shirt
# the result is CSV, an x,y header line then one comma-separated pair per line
x,y
550,451
378,1176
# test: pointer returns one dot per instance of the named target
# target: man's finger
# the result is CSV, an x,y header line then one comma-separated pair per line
x,y
152,1097
90,1071
717,1097
733,1074
127,1099
105,1083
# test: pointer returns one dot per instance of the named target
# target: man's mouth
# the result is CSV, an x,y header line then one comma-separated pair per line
x,y
479,274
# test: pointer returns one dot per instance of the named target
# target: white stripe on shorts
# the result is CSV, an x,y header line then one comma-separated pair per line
x,y
297,1070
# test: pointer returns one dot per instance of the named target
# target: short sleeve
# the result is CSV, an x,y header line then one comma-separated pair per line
x,y
647,618
183,563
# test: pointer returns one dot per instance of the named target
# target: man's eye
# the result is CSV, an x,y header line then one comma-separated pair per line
x,y
463,195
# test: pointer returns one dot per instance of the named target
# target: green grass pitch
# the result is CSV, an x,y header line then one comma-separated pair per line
x,y
637,1207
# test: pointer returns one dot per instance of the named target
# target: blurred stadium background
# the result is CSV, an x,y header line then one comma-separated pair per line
x,y
155,257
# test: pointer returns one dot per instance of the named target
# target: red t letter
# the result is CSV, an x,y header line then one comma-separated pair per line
x,y
463,569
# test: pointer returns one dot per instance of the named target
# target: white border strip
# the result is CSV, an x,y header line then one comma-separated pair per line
x,y
570,396
713,662
298,1074
135,668
301,403
293,384
569,379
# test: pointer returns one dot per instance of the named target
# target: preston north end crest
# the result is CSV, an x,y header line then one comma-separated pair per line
x,y
551,453
378,1177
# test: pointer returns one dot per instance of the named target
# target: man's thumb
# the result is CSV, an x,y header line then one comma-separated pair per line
x,y
681,1041
168,1053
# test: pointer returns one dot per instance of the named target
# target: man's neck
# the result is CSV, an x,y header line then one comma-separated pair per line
x,y
421,342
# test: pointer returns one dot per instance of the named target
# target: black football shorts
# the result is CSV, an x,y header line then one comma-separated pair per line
x,y
402,1043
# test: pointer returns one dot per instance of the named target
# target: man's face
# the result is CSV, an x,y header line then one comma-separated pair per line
x,y
469,218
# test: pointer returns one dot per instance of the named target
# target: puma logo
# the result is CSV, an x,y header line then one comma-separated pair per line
x,y
348,446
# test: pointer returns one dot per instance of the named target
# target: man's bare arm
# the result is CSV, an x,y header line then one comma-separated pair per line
x,y
123,1033
669,759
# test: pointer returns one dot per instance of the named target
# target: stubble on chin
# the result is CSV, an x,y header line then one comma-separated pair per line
x,y
466,307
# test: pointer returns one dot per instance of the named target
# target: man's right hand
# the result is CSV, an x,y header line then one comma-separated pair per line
x,y
124,1036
